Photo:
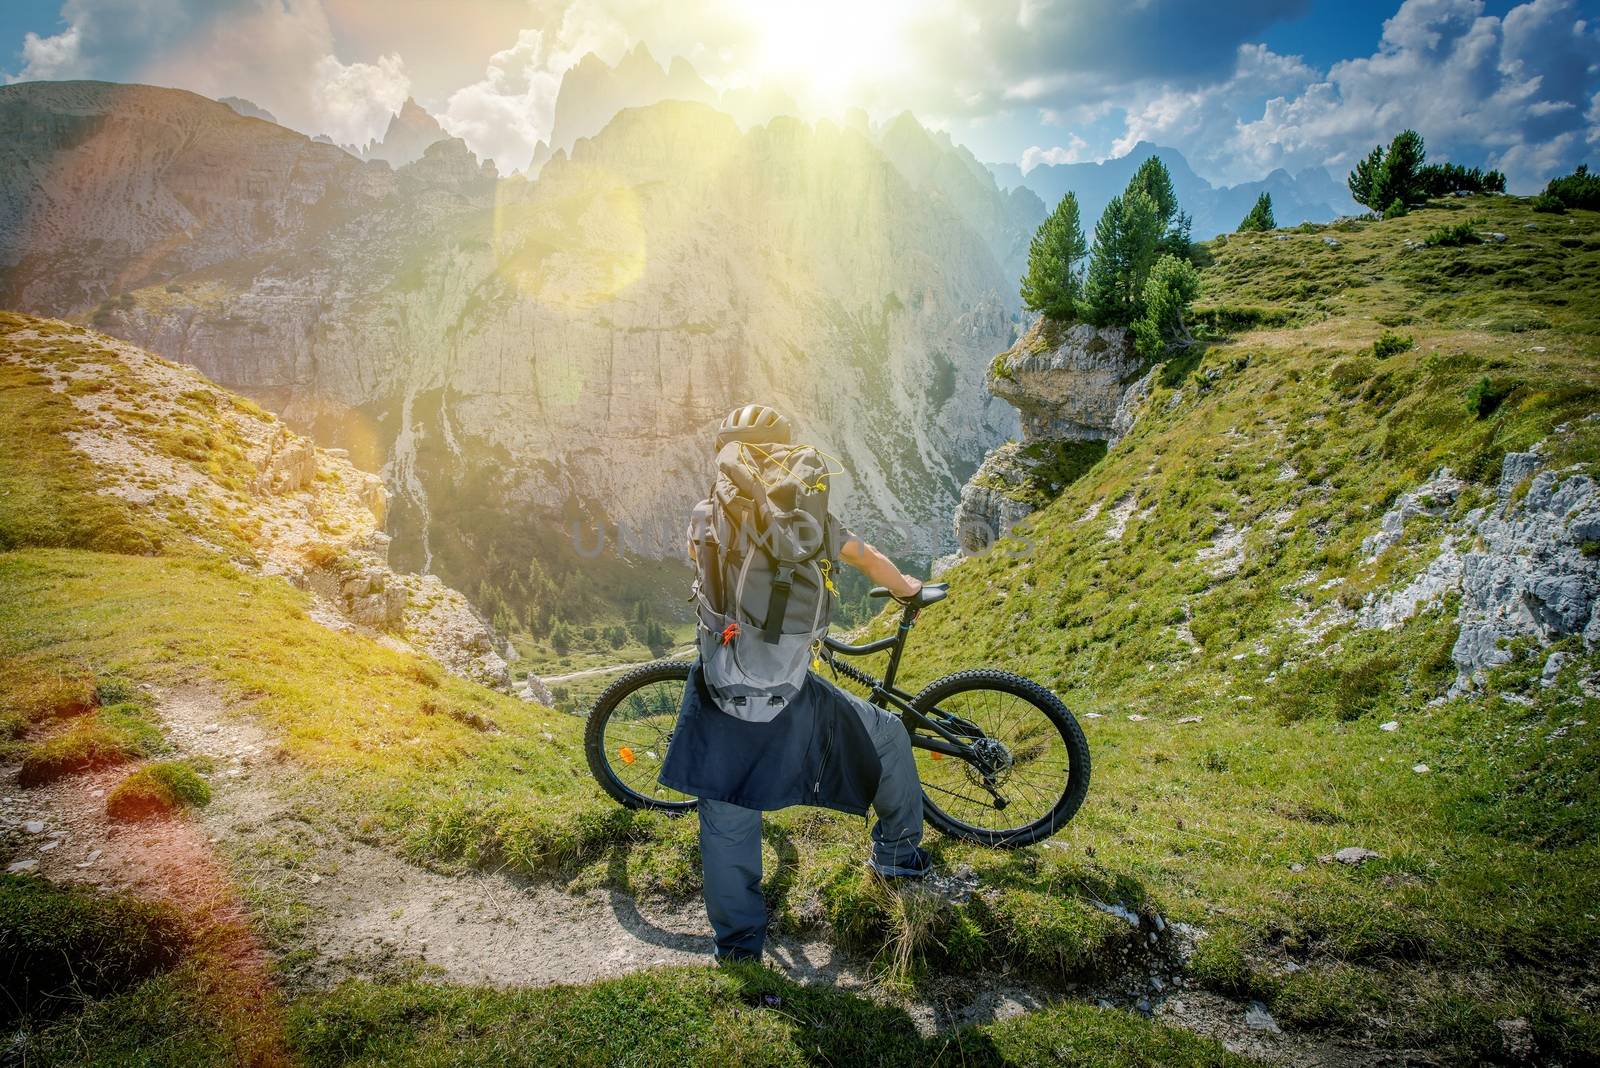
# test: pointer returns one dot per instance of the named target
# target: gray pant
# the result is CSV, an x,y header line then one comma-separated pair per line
x,y
730,838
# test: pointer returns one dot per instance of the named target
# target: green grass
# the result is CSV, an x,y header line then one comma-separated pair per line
x,y
57,943
157,789
1489,858
47,488
678,1017
100,739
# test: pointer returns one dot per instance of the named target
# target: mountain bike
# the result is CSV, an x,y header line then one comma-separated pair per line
x,y
1001,759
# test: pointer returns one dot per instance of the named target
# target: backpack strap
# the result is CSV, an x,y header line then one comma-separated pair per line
x,y
782,583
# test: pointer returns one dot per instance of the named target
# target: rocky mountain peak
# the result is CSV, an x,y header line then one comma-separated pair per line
x,y
248,109
593,91
411,131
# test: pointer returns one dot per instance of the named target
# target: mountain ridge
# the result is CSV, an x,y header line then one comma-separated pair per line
x,y
466,332
1310,196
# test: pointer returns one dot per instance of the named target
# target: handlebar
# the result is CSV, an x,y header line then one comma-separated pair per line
x,y
930,593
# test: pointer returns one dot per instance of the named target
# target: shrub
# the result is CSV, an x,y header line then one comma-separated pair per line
x,y
1171,288
1442,179
1580,189
1392,344
156,790
1396,208
1452,236
1231,318
1548,204
1485,395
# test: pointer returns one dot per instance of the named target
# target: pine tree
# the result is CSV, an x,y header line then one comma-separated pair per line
x,y
1366,177
1260,216
1052,285
1384,177
1156,181
1126,243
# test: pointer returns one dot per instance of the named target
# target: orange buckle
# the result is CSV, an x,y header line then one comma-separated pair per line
x,y
729,632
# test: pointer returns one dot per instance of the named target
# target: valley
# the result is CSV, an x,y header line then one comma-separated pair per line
x,y
1323,609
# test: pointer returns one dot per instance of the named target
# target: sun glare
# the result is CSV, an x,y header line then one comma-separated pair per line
x,y
827,47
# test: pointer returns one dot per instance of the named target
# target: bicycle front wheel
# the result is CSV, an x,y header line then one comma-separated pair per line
x,y
1030,769
629,730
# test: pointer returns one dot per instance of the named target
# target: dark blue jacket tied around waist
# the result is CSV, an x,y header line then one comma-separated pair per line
x,y
815,752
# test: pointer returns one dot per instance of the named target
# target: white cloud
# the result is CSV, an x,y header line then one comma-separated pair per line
x,y
505,114
281,54
50,57
354,101
1480,90
1076,150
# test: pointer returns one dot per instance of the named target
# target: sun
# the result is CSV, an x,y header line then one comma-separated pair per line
x,y
826,48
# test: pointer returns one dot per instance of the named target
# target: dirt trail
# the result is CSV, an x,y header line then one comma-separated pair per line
x,y
365,912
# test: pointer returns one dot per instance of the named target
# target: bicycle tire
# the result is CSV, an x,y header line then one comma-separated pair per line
x,y
1074,789
594,735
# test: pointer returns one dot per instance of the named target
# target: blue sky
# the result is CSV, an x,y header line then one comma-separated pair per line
x,y
1240,87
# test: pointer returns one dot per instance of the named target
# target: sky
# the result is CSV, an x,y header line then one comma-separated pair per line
x,y
1239,87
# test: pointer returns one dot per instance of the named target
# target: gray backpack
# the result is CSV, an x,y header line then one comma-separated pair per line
x,y
765,552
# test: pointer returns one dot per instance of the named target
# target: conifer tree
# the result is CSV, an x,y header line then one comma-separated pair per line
x,y
1127,240
1053,285
1260,216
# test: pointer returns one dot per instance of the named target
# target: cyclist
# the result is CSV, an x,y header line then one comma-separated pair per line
x,y
825,747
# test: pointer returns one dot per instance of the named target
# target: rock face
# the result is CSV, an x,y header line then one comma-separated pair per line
x,y
262,496
551,355
992,501
1524,566
1070,385
1066,383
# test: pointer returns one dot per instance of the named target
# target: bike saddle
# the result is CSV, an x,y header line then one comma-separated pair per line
x,y
930,593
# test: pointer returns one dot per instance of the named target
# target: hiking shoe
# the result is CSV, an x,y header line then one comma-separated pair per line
x,y
913,866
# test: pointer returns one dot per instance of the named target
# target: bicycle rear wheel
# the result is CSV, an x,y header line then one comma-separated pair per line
x,y
1028,744
629,730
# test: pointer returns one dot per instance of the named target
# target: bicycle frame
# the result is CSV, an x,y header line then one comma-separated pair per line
x,y
885,693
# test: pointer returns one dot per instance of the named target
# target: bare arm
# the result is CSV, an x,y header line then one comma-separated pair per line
x,y
878,567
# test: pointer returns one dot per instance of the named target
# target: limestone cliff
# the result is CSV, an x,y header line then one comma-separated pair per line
x,y
527,358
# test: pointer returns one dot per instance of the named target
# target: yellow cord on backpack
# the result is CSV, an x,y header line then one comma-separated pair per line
x,y
825,567
816,657
746,450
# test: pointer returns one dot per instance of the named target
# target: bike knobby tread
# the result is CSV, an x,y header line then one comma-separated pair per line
x,y
1056,711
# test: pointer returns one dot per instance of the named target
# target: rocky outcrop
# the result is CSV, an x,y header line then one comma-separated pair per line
x,y
993,500
1066,382
1128,407
223,474
1071,385
1524,566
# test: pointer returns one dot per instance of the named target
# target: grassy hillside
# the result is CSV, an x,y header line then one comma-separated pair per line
x,y
1220,613
1260,462
105,596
